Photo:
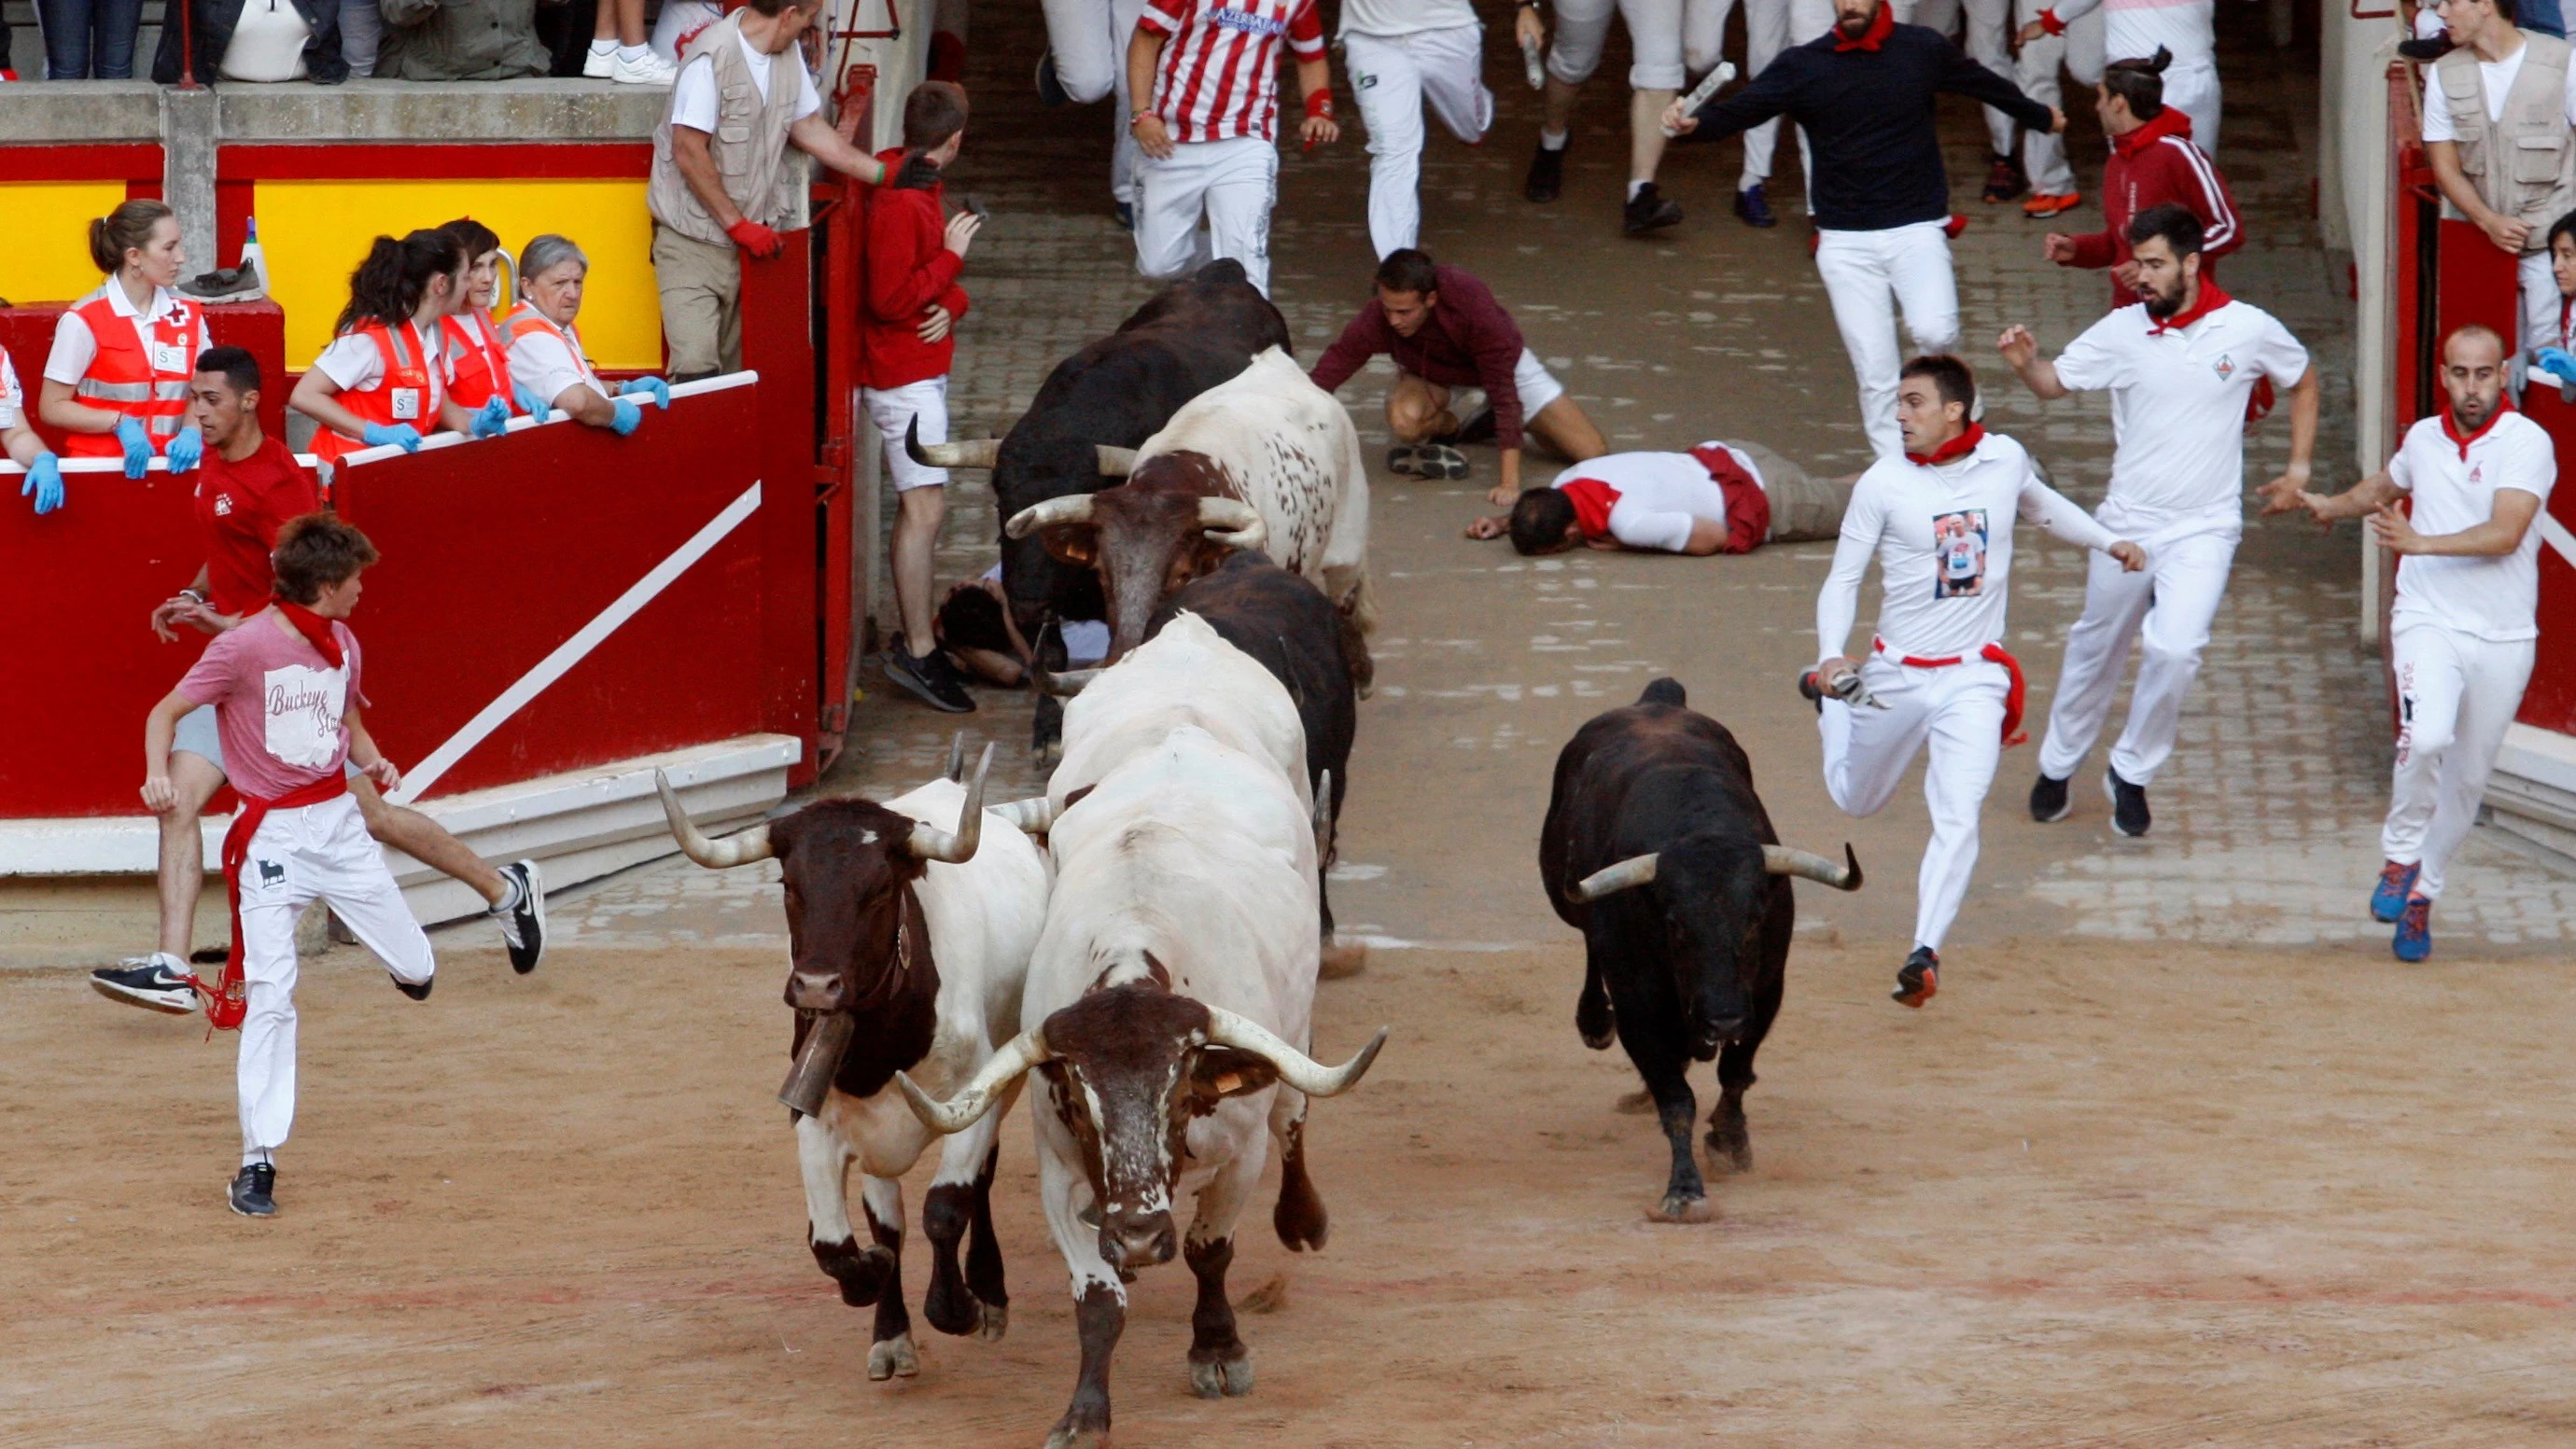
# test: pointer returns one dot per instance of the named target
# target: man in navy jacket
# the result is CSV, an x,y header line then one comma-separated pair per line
x,y
1864,93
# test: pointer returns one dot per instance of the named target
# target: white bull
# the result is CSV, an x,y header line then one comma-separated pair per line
x,y
1185,675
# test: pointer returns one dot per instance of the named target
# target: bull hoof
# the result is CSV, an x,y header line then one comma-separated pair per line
x,y
951,1310
1342,960
862,1273
1678,1209
1730,1152
997,1321
1635,1104
1069,1436
1231,1379
893,1358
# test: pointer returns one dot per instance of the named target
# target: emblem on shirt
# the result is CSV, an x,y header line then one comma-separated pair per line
x,y
2477,472
1250,22
2225,367
223,505
1959,554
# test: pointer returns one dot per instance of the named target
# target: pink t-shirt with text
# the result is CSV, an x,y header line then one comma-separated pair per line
x,y
278,704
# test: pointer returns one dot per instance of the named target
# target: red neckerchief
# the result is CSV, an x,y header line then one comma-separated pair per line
x,y
2212,297
1593,500
2450,430
1957,447
1880,27
2168,122
315,629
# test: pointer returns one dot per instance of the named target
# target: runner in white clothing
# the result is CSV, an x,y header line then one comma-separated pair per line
x,y
1720,497
1937,674
2179,367
1402,54
2084,34
2463,630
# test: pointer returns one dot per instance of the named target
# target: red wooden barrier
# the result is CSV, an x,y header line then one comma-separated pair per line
x,y
28,333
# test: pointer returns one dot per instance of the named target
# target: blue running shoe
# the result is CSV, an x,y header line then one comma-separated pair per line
x,y
2396,882
2414,931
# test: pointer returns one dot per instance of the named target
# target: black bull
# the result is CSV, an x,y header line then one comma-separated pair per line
x,y
1689,961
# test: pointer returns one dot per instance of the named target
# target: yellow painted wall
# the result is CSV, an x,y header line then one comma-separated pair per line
x,y
316,233
44,244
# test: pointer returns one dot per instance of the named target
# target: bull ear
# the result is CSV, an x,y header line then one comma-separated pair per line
x,y
1071,543
1219,1072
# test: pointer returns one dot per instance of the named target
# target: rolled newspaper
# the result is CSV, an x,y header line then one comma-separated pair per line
x,y
1531,63
1705,91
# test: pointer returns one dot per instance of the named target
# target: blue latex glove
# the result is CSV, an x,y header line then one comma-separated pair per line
x,y
629,417
528,401
401,435
636,387
186,450
492,419
45,480
138,446
2557,360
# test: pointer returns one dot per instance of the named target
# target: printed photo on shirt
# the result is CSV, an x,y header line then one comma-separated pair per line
x,y
1959,554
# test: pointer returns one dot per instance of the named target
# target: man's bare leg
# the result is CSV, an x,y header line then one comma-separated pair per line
x,y
183,849
1560,108
1567,431
1646,132
918,512
426,841
1416,410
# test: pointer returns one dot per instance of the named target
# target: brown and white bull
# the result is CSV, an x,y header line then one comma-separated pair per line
x,y
910,945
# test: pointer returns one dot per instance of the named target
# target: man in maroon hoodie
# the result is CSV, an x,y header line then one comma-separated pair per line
x,y
912,301
2153,162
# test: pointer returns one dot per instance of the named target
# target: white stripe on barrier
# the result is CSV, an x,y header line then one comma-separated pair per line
x,y
117,465
575,649
522,423
2558,537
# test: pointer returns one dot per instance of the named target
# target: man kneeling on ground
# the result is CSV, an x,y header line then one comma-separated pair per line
x,y
1720,497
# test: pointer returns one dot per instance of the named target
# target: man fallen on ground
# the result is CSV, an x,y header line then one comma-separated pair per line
x,y
974,627
1720,497
1447,333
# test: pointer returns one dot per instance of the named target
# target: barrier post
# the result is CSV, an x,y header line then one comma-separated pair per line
x,y
777,343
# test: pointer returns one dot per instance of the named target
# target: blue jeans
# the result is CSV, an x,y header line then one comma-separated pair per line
x,y
89,39
2542,16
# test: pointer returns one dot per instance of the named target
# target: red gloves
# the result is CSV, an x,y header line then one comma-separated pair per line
x,y
756,239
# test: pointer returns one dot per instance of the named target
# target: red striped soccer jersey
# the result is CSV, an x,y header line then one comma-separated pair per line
x,y
1219,76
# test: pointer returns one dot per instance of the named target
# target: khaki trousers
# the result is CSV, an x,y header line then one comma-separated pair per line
x,y
701,303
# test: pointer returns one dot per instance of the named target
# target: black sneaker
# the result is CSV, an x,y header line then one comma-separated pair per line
x,y
928,677
1478,429
2005,181
254,1191
523,916
416,990
1125,214
1436,461
1649,210
1918,979
2048,800
1753,206
2128,804
1051,90
1546,175
155,983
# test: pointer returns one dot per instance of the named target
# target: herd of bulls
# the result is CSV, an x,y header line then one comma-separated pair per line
x,y
1146,938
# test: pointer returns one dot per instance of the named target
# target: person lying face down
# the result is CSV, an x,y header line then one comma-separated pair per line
x,y
1720,497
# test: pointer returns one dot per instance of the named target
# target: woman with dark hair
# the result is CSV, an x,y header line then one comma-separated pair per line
x,y
116,382
478,350
383,379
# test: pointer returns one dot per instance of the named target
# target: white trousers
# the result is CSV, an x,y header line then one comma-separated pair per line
x,y
1232,183
1988,43
2539,288
2167,607
1654,41
1394,76
2079,51
318,852
1766,34
2456,695
1958,710
893,409
1089,41
1869,275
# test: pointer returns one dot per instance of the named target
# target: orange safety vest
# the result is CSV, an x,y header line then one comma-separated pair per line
x,y
528,319
482,370
126,379
406,393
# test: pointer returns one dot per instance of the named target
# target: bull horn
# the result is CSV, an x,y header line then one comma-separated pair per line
x,y
981,453
1115,462
956,758
742,849
1636,870
1034,816
929,842
1233,522
1295,1067
1071,508
977,1097
1781,860
1323,818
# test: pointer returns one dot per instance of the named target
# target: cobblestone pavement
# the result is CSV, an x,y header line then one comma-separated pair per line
x,y
2266,820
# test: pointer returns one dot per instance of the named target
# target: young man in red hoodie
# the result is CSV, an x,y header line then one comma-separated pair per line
x,y
915,251
2153,162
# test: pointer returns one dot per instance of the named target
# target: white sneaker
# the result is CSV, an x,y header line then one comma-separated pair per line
x,y
598,63
648,69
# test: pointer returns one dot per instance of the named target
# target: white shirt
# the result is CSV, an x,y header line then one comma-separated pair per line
x,y
1086,641
2137,27
693,95
13,398
358,365
2496,599
1943,537
2178,408
1660,495
75,349
539,359
1404,17
2497,79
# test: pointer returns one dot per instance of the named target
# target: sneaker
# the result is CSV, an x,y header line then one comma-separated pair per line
x,y
2414,939
1753,207
929,677
159,982
2128,805
416,990
1125,211
1477,429
2048,802
2005,181
1405,460
1649,210
645,69
1918,979
2396,884
598,63
523,916
1546,175
1435,461
1051,91
2425,50
254,1191
2044,204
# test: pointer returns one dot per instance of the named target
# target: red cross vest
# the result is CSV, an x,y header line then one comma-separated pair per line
x,y
127,379
482,360
407,392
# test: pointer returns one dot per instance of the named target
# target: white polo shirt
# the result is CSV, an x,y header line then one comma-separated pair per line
x,y
542,361
1656,497
75,348
1943,538
13,398
2454,487
2178,408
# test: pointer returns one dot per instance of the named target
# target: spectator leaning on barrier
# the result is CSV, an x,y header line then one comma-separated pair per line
x,y
89,39
44,481
116,381
722,178
478,351
383,379
2497,113
545,349
460,40
255,40
912,300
